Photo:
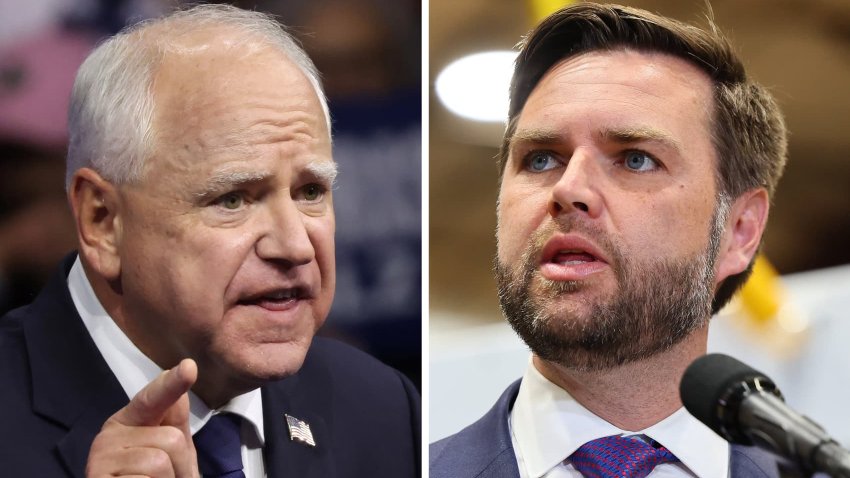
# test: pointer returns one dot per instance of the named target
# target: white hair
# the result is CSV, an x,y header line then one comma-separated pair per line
x,y
111,112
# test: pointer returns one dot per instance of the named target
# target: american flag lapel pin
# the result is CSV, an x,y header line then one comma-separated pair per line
x,y
299,431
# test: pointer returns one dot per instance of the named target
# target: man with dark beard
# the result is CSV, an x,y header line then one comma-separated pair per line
x,y
636,176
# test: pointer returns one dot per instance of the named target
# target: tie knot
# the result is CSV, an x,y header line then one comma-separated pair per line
x,y
219,447
620,457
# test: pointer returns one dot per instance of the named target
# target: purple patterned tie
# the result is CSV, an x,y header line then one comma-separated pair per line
x,y
219,447
619,457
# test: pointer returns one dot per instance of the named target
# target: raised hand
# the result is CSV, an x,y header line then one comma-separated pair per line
x,y
150,436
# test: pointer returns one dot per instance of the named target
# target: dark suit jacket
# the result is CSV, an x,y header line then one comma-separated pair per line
x,y
484,450
56,391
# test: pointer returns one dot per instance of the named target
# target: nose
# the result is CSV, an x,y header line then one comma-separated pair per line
x,y
285,236
577,188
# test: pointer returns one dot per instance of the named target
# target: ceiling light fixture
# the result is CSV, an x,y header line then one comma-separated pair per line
x,y
476,86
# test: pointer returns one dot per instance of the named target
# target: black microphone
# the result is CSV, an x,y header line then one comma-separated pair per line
x,y
743,406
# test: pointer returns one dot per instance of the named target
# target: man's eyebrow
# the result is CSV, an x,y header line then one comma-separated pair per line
x,y
618,135
325,171
224,180
536,136
641,134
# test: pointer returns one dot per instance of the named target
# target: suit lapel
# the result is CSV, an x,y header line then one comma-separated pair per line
x,y
753,462
285,457
499,459
482,449
72,384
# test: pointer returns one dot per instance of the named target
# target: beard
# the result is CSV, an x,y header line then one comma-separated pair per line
x,y
657,303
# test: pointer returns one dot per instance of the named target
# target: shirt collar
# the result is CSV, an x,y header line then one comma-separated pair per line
x,y
549,425
694,444
134,370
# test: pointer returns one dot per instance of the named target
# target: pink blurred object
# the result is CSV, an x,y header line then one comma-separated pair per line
x,y
36,77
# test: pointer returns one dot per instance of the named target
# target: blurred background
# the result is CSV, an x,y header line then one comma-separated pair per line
x,y
793,327
368,52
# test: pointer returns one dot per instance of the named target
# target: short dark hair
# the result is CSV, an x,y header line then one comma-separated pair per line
x,y
748,131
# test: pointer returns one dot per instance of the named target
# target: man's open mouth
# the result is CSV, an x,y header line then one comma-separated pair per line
x,y
275,297
572,257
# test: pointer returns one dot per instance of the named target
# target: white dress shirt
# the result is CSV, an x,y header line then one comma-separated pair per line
x,y
547,425
134,370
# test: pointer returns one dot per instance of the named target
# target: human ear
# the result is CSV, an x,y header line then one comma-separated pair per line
x,y
742,235
95,205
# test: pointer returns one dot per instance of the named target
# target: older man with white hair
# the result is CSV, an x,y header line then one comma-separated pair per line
x,y
179,342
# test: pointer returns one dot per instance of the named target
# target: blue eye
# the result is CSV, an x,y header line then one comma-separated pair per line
x,y
539,161
639,161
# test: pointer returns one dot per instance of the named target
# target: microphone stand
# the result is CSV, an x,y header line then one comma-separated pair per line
x,y
794,436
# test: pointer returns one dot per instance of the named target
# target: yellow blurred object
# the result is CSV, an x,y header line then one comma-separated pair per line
x,y
541,9
762,311
761,296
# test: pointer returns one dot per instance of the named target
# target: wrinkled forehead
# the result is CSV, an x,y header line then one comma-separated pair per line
x,y
211,60
202,66
205,85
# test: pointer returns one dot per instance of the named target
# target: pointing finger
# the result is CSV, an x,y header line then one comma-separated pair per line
x,y
150,405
